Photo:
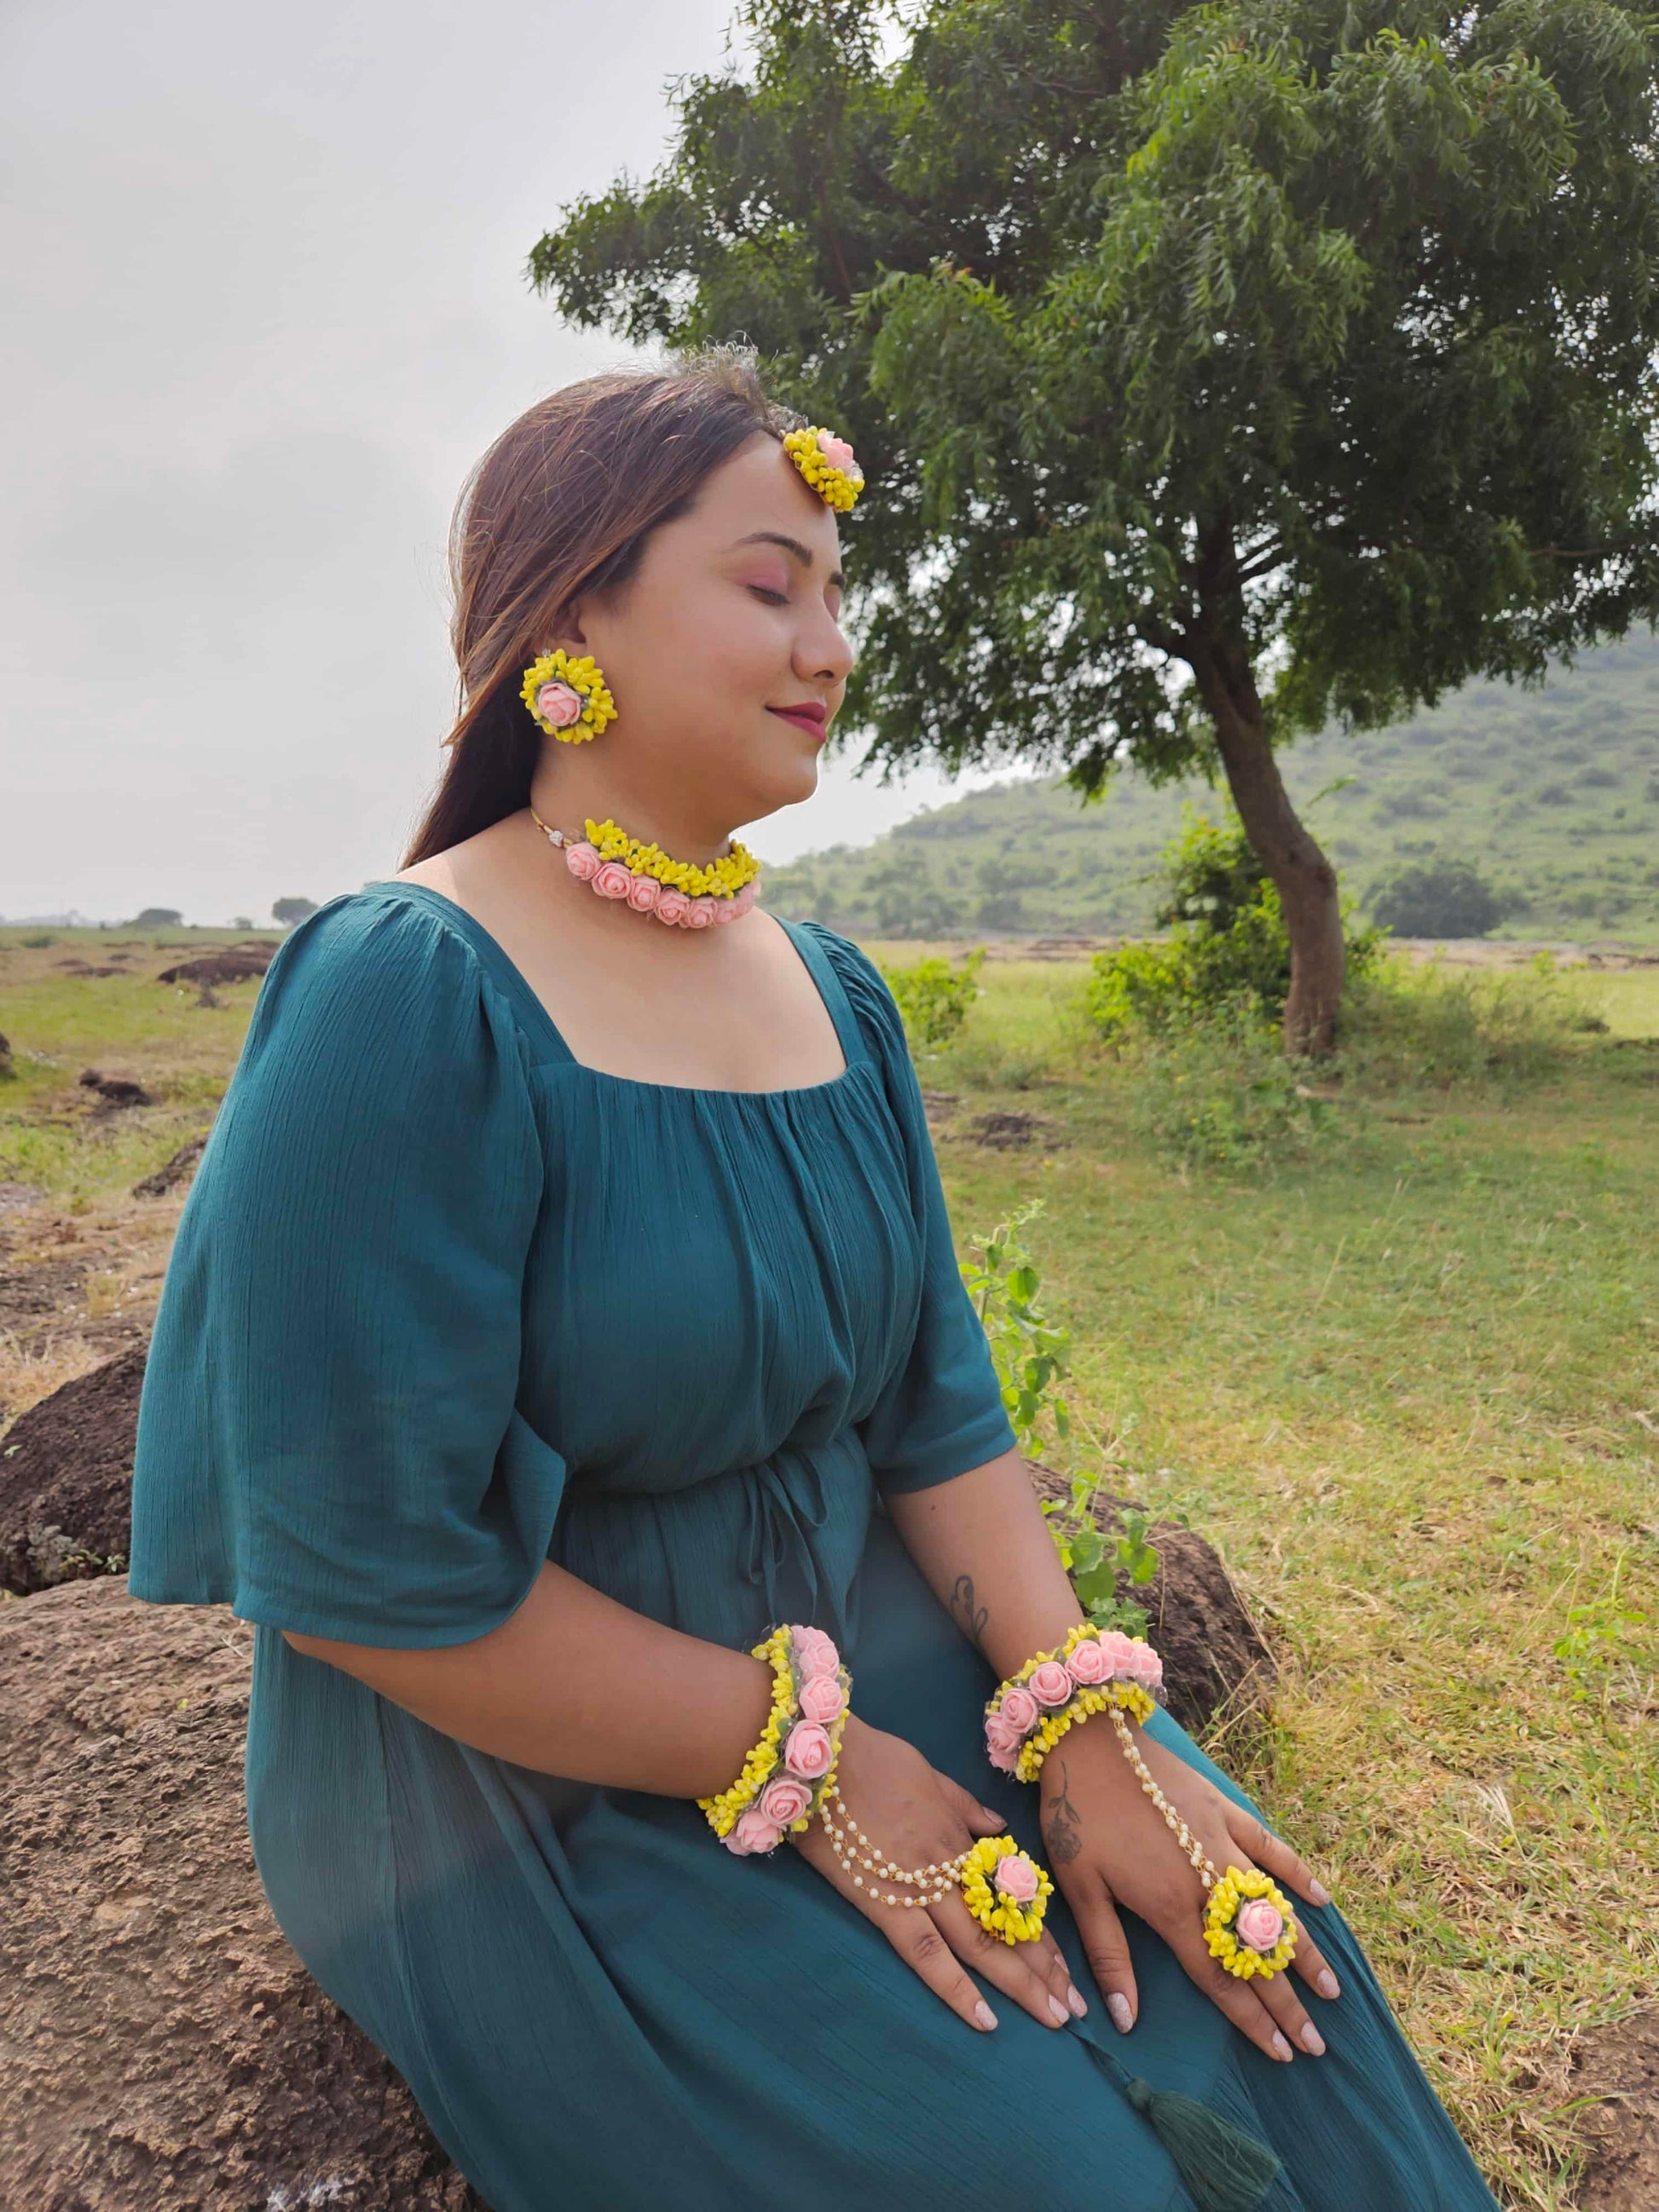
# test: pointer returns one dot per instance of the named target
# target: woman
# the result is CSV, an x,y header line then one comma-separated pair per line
x,y
558,1310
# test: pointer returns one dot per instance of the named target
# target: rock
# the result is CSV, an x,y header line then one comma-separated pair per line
x,y
115,1089
66,1480
170,1172
161,2048
221,967
1215,1662
1619,2067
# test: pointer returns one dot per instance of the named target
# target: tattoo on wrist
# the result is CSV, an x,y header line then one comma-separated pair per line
x,y
969,1618
1064,1823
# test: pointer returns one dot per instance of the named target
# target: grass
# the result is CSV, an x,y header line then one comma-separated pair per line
x,y
1409,1384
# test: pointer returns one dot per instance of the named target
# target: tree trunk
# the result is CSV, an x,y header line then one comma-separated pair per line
x,y
1304,877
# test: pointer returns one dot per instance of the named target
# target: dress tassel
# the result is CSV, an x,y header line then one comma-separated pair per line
x,y
1225,2170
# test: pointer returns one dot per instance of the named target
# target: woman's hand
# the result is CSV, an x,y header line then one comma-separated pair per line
x,y
914,1816
1105,1839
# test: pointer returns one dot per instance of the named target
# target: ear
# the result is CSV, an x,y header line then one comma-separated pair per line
x,y
568,631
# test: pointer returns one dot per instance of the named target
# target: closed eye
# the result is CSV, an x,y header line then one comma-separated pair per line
x,y
777,599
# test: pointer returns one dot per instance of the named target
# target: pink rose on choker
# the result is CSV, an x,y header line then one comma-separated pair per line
x,y
1018,1707
560,704
583,861
784,1801
1017,1877
1049,1683
808,1751
1259,1924
1088,1663
821,1699
613,879
699,912
753,1833
671,905
643,893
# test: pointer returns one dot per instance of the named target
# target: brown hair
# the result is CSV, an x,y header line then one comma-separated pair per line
x,y
562,503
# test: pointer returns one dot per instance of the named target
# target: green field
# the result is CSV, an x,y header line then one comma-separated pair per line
x,y
1408,1384
1554,794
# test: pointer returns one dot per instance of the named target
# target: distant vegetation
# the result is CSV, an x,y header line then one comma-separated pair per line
x,y
1549,798
288,911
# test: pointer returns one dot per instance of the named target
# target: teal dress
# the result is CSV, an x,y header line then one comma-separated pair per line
x,y
444,1302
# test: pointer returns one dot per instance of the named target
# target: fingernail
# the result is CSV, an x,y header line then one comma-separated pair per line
x,y
1319,1894
1313,2040
1058,2009
984,2015
1281,2049
1074,1998
1325,1983
1118,2005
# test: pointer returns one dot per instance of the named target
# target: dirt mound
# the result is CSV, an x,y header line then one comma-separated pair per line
x,y
1216,1663
171,1172
66,1480
161,2048
1619,2066
219,967
116,1090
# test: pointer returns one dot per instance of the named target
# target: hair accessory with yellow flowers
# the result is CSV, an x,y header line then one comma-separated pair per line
x,y
568,698
827,463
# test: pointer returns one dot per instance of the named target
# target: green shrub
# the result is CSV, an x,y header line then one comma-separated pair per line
x,y
1227,941
1219,1092
933,998
1408,1024
1441,896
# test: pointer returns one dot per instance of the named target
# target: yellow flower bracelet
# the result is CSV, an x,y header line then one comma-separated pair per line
x,y
1091,1672
786,1774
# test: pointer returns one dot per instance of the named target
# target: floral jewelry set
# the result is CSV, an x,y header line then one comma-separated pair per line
x,y
568,698
790,1775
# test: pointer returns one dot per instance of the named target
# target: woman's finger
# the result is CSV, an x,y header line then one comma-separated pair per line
x,y
1236,1998
1035,1975
915,1938
1107,1949
1273,1853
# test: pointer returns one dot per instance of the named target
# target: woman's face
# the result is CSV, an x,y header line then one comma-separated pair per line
x,y
732,616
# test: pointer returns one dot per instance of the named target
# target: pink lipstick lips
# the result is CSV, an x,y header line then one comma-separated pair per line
x,y
807,715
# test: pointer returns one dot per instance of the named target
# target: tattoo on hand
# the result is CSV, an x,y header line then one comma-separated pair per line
x,y
1065,1825
968,1617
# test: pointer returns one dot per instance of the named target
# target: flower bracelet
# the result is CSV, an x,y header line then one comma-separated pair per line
x,y
1249,1926
784,1778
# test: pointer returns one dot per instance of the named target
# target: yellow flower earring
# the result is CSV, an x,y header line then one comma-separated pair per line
x,y
568,698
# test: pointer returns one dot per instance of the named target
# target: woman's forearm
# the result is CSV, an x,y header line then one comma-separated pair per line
x,y
574,1684
983,1544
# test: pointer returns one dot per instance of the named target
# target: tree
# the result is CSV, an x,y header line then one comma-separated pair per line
x,y
290,910
1216,373
1437,897
157,917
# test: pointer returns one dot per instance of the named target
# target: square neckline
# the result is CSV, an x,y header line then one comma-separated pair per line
x,y
820,970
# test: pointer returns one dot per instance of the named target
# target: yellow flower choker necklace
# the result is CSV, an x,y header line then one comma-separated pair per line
x,y
683,893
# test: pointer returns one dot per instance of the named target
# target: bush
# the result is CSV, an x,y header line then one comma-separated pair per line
x,y
1438,897
1227,941
933,998
1409,1025
1219,1092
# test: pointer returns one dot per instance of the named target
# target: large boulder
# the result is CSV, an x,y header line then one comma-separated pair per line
x,y
66,1480
161,2048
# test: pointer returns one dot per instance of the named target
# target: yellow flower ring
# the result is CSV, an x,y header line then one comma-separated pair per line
x,y
579,676
827,463
1256,1897
995,1909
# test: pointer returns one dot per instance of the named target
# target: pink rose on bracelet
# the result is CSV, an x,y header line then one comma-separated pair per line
x,y
807,1751
752,1832
1049,1683
1001,1735
784,1801
1017,1877
1088,1663
1144,1666
1018,1707
1259,1924
1119,1648
821,1699
816,1655
1003,1758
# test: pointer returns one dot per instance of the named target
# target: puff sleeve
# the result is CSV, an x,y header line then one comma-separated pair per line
x,y
328,1435
940,1410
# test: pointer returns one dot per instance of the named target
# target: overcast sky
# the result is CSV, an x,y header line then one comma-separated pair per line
x,y
264,307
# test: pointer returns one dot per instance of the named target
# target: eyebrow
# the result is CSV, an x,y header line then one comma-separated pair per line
x,y
802,553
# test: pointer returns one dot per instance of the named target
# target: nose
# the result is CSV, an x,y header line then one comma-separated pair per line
x,y
824,655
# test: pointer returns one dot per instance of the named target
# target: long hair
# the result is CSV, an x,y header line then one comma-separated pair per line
x,y
563,504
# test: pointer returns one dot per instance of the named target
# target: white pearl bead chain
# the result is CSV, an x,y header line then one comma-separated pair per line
x,y
1203,1866
946,1872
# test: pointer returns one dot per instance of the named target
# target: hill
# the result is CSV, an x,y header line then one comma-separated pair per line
x,y
1554,794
